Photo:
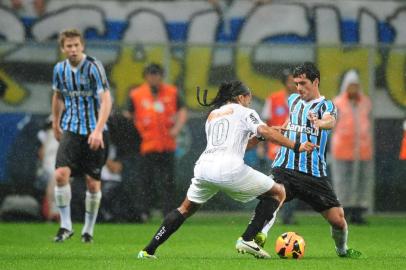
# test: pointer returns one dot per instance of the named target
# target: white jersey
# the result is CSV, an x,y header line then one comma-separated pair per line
x,y
228,130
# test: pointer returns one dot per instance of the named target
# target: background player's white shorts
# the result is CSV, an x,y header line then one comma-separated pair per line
x,y
243,189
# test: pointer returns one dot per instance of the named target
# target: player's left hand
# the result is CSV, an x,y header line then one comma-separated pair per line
x,y
307,147
95,140
316,122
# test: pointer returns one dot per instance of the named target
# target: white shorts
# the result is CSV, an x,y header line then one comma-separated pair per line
x,y
243,189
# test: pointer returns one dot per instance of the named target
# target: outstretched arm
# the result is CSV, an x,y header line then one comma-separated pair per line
x,y
273,135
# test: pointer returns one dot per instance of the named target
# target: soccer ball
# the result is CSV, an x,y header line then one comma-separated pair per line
x,y
290,245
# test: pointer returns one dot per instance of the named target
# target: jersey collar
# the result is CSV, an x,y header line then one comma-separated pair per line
x,y
314,100
74,69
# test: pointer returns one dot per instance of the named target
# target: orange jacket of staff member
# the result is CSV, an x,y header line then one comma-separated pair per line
x,y
352,138
403,147
279,112
154,117
276,109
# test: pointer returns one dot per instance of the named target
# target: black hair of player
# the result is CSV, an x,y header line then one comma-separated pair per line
x,y
309,69
227,92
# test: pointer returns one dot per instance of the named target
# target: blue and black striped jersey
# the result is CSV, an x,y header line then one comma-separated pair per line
x,y
80,87
300,129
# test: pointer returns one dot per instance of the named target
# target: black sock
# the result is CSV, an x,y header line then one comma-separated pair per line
x,y
173,220
263,212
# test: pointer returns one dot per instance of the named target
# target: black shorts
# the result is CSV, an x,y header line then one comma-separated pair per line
x,y
316,191
74,152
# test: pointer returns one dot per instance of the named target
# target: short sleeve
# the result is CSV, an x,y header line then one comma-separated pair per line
x,y
328,107
100,76
253,121
292,98
56,82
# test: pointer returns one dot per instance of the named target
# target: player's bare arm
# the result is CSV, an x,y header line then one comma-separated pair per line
x,y
96,137
326,122
275,136
58,107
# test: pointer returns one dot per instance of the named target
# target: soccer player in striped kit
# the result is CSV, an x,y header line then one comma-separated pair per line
x,y
304,175
81,105
230,126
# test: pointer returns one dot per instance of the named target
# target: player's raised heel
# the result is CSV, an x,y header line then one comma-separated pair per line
x,y
252,248
144,255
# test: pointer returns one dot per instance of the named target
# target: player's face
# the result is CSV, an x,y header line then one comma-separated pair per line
x,y
73,50
306,89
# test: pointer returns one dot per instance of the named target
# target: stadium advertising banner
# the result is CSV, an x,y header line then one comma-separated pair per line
x,y
337,35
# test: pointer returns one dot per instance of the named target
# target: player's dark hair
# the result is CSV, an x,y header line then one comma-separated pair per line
x,y
309,69
228,92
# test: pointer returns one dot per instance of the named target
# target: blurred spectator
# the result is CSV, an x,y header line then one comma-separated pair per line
x,y
3,89
111,181
256,158
124,137
275,113
402,154
45,173
29,8
352,149
159,114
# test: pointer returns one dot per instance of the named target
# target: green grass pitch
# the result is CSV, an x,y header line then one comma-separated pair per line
x,y
206,241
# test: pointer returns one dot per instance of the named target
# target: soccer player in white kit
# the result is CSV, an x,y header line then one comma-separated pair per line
x,y
229,128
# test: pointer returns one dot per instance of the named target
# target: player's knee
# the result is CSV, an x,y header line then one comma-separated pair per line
x,y
188,208
337,220
278,192
62,176
93,185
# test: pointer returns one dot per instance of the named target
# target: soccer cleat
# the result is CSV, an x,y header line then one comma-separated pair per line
x,y
351,253
260,239
252,248
62,235
87,238
144,255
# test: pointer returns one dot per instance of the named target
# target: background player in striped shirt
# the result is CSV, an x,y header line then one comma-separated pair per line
x,y
81,105
304,175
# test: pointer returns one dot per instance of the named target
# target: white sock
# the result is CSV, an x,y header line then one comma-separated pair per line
x,y
63,196
340,239
92,208
270,223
